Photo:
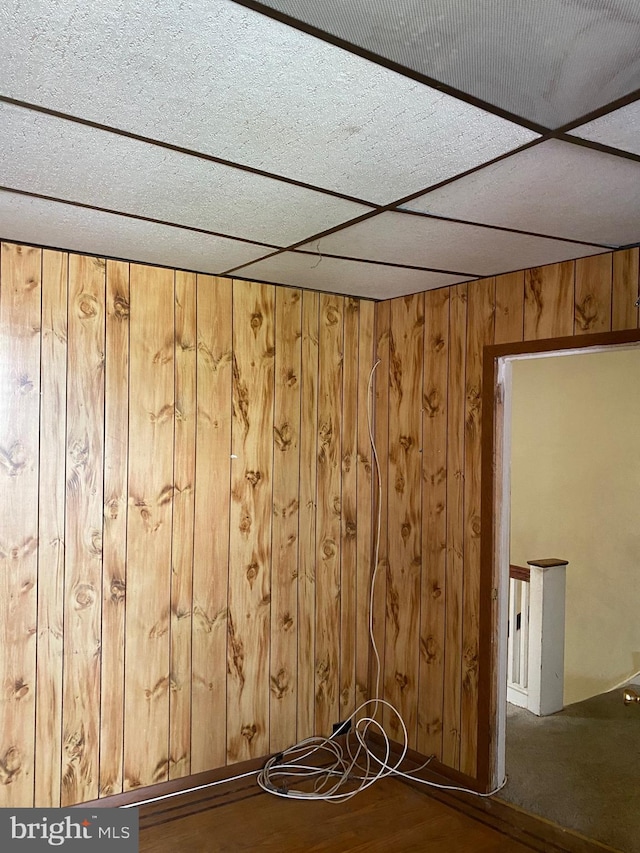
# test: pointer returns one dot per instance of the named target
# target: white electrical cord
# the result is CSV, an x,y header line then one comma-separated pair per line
x,y
345,776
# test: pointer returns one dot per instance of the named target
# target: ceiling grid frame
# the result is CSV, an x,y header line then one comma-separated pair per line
x,y
310,215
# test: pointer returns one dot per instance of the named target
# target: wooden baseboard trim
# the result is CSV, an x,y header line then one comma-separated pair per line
x,y
189,794
200,792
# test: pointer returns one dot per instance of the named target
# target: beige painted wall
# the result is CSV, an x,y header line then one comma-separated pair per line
x,y
575,494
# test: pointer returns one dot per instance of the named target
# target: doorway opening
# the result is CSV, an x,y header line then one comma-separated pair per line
x,y
497,545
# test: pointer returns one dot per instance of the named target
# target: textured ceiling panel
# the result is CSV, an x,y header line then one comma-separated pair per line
x,y
49,223
337,276
438,244
619,129
550,62
215,77
67,160
554,188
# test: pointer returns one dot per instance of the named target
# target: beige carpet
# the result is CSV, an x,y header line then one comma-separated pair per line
x,y
579,768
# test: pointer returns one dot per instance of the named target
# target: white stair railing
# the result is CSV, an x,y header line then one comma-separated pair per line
x,y
535,647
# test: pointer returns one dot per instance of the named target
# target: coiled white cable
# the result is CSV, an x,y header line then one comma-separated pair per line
x,y
354,767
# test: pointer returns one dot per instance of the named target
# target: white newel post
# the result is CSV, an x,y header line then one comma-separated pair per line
x,y
546,636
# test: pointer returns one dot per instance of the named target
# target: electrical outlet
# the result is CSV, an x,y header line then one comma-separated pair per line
x,y
341,728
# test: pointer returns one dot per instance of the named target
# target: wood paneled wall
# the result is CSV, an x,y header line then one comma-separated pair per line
x,y
185,521
428,430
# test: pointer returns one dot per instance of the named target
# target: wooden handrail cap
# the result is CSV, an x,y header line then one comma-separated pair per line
x,y
548,564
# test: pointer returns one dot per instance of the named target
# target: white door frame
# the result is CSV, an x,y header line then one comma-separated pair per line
x,y
501,444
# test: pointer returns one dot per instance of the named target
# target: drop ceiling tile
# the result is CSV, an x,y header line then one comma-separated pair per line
x,y
443,245
554,188
550,62
56,157
213,76
355,278
619,129
49,223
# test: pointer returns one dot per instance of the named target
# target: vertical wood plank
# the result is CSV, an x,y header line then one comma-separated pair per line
x,y
286,475
53,413
626,279
307,534
183,524
20,306
151,424
406,343
480,332
251,513
593,294
116,413
365,521
211,523
83,536
509,318
348,536
434,521
549,301
327,660
381,502
455,526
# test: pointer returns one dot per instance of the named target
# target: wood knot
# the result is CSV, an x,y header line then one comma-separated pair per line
x,y
471,658
249,732
25,384
15,459
291,379
587,313
290,509
399,483
405,531
85,596
406,442
401,680
120,308
165,414
279,684
112,509
117,590
323,670
253,477
438,343
436,592
74,744
332,315
287,622
431,403
325,431
282,436
252,573
96,543
245,524
87,306
256,322
20,689
79,453
166,495
350,529
429,649
329,549
10,765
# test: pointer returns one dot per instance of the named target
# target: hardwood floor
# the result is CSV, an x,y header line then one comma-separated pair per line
x,y
389,816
